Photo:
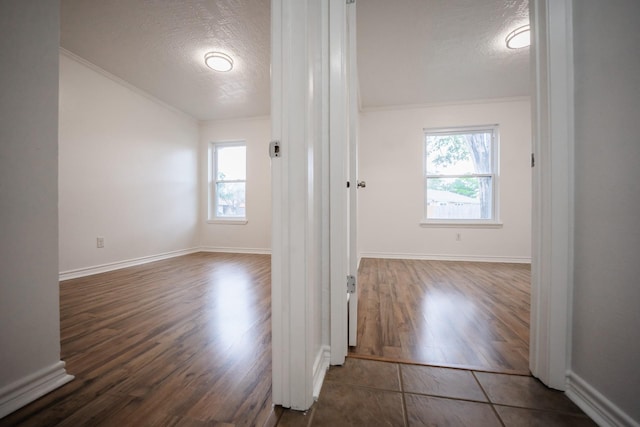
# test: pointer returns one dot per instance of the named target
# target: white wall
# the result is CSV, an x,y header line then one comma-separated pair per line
x,y
29,309
391,162
255,235
128,172
606,348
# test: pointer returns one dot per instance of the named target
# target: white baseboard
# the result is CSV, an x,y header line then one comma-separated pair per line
x,y
103,268
433,257
256,251
19,393
320,367
595,405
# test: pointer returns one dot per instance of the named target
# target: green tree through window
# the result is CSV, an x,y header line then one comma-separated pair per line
x,y
460,174
228,181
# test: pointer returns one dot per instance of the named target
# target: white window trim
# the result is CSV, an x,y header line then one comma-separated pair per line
x,y
463,223
212,181
234,221
495,159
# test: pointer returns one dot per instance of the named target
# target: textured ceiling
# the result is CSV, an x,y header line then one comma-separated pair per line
x,y
429,51
159,46
409,51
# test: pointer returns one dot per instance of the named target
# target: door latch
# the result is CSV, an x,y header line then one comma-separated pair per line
x,y
274,149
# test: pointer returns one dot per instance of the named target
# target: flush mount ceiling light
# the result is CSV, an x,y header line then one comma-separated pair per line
x,y
218,61
519,38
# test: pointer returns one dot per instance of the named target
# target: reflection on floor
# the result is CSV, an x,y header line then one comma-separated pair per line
x,y
472,315
185,341
373,393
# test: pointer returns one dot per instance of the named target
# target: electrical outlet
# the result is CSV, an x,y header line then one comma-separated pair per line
x,y
100,242
458,237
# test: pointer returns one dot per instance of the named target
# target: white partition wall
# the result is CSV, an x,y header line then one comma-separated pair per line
x,y
300,352
604,379
129,150
30,363
392,163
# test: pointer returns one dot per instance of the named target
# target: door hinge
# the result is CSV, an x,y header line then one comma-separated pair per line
x,y
274,149
351,284
351,1
533,160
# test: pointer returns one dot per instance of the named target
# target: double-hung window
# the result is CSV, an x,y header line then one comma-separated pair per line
x,y
227,181
460,175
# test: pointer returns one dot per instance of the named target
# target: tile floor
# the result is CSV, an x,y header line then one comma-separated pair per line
x,y
371,393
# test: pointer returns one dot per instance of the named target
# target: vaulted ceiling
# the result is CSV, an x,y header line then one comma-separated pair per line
x,y
409,51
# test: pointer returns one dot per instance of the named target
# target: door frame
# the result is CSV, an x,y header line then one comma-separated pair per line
x,y
298,354
553,191
552,216
552,219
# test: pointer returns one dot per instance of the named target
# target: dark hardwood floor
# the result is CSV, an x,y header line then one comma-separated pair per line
x,y
184,341
456,314
187,341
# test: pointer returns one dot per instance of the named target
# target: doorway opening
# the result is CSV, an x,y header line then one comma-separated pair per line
x,y
444,293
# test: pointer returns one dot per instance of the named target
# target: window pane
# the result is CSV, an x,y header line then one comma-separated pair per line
x,y
230,199
459,198
459,153
232,163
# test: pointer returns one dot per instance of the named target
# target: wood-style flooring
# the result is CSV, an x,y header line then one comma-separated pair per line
x,y
184,341
187,341
458,314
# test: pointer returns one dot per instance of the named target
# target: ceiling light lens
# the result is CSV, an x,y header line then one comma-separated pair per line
x,y
519,38
218,61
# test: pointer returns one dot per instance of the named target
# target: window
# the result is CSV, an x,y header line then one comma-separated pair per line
x,y
227,181
460,175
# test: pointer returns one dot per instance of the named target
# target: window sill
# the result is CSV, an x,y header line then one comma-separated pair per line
x,y
234,221
461,224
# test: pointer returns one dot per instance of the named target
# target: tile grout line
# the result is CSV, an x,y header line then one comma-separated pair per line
x,y
549,411
493,408
442,396
507,405
405,413
366,387
473,373
487,370
313,413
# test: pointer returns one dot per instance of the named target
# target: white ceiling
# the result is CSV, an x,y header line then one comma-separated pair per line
x,y
430,51
159,47
409,51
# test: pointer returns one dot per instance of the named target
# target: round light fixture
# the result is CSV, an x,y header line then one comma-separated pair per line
x,y
218,61
519,38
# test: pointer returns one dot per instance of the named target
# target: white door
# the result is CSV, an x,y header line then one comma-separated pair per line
x,y
352,164
343,259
